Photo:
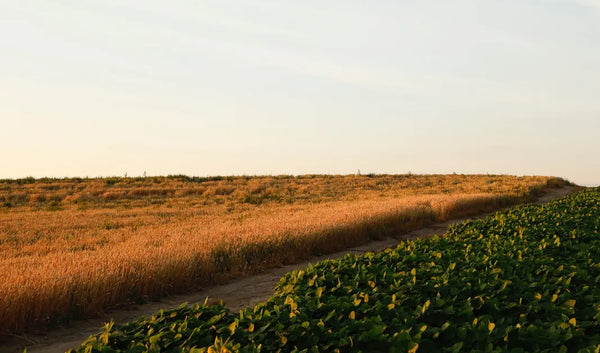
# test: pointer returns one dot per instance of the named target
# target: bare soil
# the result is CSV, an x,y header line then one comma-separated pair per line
x,y
237,294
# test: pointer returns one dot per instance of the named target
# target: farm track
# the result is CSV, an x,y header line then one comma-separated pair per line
x,y
237,294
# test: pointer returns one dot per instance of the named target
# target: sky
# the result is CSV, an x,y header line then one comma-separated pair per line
x,y
108,87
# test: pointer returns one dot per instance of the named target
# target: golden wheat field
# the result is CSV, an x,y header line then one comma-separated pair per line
x,y
73,247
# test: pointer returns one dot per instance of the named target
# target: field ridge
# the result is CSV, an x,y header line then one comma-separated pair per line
x,y
66,338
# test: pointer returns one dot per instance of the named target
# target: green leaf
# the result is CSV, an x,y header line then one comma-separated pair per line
x,y
456,347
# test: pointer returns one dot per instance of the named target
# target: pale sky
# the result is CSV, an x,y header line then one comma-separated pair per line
x,y
104,87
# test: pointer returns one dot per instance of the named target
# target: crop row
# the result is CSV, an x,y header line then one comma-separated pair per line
x,y
522,280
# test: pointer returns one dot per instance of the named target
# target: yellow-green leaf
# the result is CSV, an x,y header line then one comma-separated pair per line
x,y
413,348
426,305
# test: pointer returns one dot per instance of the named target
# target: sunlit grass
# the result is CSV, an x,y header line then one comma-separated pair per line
x,y
73,247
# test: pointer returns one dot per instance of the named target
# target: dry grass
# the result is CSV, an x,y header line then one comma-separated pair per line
x,y
73,247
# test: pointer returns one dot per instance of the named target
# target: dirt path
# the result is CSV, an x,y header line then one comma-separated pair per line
x,y
236,295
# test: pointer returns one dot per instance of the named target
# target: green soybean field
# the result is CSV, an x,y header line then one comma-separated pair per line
x,y
526,279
